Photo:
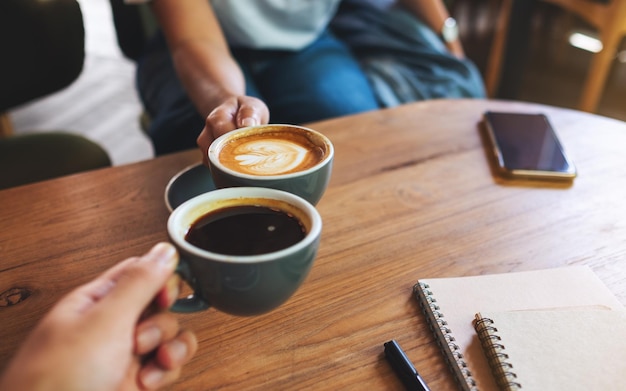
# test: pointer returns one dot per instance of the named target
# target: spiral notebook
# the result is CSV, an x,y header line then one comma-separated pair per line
x,y
552,350
450,305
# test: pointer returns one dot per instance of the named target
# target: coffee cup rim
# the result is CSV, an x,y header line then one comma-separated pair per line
x,y
215,147
242,193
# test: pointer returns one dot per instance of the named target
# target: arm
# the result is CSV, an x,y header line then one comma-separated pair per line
x,y
212,78
112,333
433,13
199,51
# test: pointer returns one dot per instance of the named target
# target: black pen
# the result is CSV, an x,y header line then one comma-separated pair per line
x,y
404,368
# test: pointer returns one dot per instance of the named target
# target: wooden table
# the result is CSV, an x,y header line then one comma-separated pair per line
x,y
412,196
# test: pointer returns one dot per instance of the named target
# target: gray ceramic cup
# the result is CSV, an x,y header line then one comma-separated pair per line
x,y
246,284
286,157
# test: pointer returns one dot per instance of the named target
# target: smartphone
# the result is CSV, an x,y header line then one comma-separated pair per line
x,y
525,146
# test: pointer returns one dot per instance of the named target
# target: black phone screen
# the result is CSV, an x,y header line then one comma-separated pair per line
x,y
527,142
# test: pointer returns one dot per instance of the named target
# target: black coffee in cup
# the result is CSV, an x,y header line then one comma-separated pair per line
x,y
245,230
276,233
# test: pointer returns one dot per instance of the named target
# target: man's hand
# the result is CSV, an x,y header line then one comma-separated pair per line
x,y
236,112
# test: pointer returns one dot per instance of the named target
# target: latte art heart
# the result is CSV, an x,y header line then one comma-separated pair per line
x,y
270,157
274,151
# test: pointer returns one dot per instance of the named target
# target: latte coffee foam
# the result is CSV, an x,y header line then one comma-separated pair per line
x,y
271,153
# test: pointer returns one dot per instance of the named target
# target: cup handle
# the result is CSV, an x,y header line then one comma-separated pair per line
x,y
191,303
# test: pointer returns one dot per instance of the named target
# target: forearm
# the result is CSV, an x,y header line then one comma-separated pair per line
x,y
200,52
208,77
433,13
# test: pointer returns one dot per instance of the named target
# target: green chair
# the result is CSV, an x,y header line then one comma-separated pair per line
x,y
42,44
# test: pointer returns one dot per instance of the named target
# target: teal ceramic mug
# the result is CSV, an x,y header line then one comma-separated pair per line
x,y
286,157
243,251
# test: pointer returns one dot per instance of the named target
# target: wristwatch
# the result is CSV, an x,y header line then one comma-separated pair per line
x,y
449,31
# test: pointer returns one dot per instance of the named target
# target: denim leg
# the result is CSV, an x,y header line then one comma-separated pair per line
x,y
322,81
175,123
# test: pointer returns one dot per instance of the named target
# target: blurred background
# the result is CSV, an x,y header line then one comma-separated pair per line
x,y
547,67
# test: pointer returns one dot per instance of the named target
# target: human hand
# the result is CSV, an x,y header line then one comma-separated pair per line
x,y
236,112
109,334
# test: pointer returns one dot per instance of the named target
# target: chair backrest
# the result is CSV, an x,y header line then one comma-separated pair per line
x,y
595,12
134,24
43,48
607,16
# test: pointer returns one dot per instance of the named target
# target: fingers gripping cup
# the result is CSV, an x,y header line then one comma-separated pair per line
x,y
285,157
243,251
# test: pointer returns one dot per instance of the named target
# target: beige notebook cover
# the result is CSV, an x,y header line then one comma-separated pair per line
x,y
450,305
555,350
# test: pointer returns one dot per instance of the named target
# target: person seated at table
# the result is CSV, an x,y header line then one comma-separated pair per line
x,y
217,65
107,334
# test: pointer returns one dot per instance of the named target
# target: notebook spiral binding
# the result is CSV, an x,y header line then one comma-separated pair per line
x,y
496,355
439,327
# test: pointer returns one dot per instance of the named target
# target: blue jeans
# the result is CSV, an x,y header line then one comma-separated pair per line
x,y
321,81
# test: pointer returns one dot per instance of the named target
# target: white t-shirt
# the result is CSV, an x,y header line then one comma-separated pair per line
x,y
273,24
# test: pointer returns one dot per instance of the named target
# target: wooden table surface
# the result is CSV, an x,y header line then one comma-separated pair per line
x,y
412,196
